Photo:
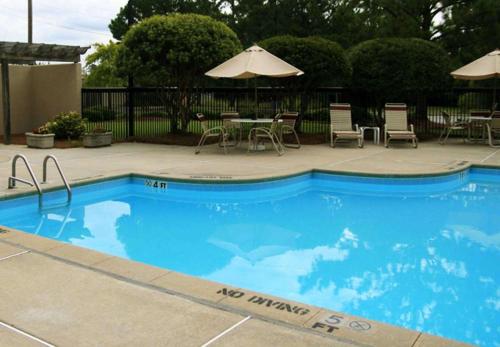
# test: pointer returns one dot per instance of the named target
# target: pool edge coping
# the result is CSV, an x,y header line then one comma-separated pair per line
x,y
196,179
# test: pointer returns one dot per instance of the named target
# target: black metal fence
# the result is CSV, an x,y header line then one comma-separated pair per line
x,y
143,112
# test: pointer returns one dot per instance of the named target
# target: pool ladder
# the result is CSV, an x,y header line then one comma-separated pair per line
x,y
34,182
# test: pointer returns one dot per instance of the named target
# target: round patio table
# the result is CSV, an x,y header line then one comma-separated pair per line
x,y
481,121
255,146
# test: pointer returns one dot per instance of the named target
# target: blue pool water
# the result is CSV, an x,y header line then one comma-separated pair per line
x,y
420,253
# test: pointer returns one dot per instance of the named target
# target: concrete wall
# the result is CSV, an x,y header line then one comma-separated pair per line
x,y
39,92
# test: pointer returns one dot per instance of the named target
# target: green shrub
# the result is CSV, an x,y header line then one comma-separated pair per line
x,y
67,125
392,68
98,114
323,61
471,101
153,114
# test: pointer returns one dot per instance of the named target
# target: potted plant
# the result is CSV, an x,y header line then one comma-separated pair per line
x,y
98,137
41,137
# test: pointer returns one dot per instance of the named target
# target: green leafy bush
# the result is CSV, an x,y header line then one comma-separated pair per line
x,y
99,114
391,68
153,114
67,125
176,50
323,61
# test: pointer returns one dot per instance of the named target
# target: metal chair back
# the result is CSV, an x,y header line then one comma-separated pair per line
x,y
203,121
396,116
340,117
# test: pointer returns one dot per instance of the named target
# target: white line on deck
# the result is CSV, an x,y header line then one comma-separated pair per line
x,y
13,255
491,155
226,331
26,334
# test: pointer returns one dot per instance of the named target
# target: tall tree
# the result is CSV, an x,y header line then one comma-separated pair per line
x,y
323,61
392,69
100,67
410,18
175,51
137,10
471,30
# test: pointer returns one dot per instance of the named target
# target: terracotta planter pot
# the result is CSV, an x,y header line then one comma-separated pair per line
x,y
40,140
97,139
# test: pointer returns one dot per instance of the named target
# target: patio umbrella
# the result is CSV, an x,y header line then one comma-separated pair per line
x,y
483,68
251,63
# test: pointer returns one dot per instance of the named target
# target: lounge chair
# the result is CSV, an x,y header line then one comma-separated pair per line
x,y
341,125
261,134
396,125
450,126
234,129
219,132
288,127
493,128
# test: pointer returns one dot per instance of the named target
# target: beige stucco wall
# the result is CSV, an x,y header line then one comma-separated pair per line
x,y
39,92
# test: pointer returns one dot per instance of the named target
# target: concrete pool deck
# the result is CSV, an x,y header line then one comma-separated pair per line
x,y
66,295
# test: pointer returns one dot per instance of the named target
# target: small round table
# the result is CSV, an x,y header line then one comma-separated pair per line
x,y
376,133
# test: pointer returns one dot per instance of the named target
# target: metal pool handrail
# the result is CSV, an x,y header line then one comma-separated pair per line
x,y
56,162
13,178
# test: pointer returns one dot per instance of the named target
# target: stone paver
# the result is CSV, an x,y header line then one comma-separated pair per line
x,y
8,250
257,333
34,241
206,290
71,306
269,306
9,338
82,164
78,255
130,269
426,340
361,330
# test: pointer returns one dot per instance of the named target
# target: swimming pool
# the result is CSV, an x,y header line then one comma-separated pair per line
x,y
421,253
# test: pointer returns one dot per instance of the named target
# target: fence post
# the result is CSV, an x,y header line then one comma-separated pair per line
x,y
130,111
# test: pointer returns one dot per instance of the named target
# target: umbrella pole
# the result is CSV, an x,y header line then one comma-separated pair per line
x,y
256,100
494,95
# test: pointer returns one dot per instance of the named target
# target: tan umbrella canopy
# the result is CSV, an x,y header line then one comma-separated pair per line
x,y
481,69
251,63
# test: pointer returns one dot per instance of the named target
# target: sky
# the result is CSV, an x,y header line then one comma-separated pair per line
x,y
68,22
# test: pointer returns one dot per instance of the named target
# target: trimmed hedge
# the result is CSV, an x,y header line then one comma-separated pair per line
x,y
99,114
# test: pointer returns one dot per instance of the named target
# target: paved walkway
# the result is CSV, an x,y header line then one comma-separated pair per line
x,y
55,294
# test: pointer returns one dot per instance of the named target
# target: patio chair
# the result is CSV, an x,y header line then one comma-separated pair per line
x,y
450,126
396,125
219,132
341,125
288,127
261,134
232,128
493,128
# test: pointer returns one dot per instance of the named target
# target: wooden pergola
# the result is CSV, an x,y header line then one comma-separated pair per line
x,y
27,53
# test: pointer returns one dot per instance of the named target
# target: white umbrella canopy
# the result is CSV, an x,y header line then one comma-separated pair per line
x,y
253,62
483,68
